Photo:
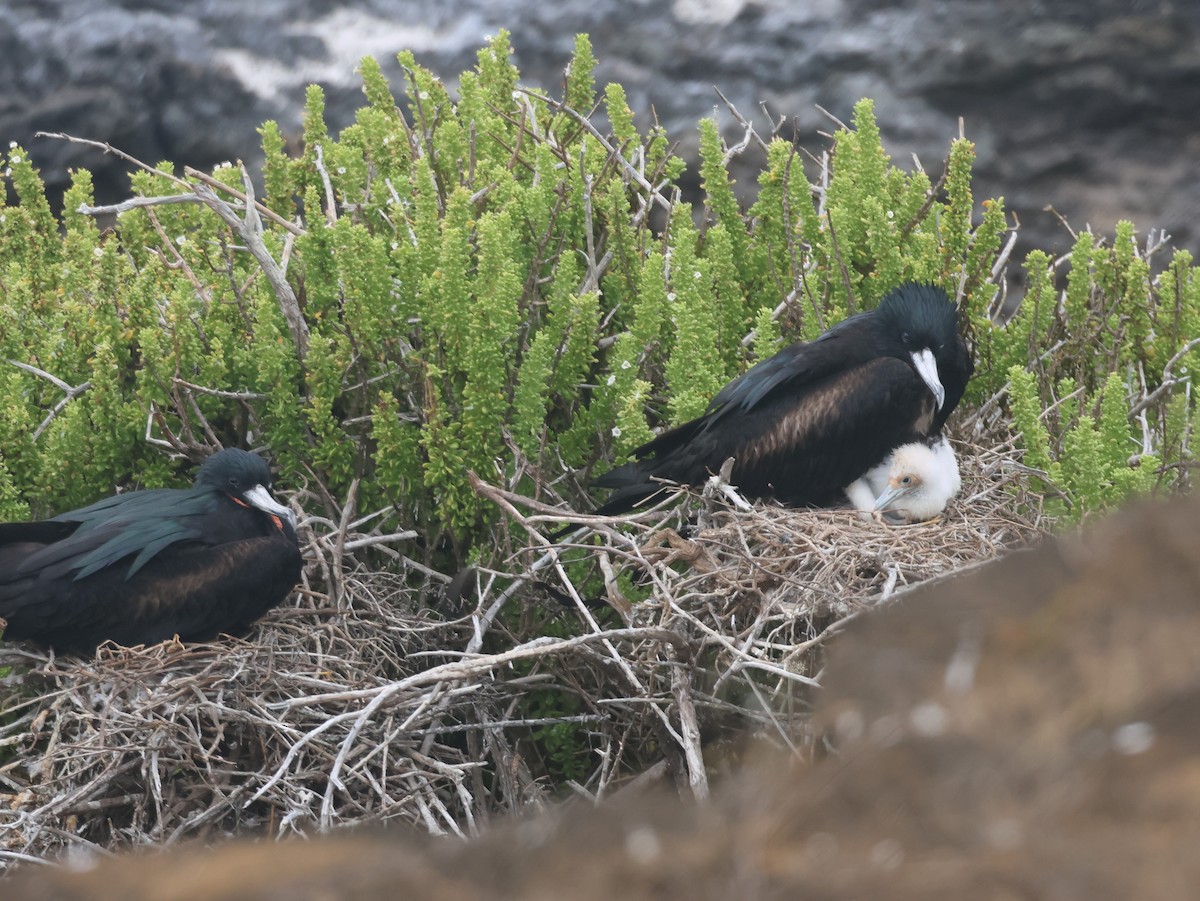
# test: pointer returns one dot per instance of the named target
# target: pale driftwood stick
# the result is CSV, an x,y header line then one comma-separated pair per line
x,y
517,723
215,392
330,200
591,281
372,540
134,203
751,134
465,669
179,261
1169,381
23,858
263,209
339,540
249,230
153,417
120,154
583,122
689,730
70,393
1002,259
545,513
41,373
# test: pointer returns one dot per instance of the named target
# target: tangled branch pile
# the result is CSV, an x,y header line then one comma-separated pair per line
x,y
389,704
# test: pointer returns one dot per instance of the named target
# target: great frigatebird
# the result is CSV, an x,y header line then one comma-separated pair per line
x,y
805,423
144,566
914,483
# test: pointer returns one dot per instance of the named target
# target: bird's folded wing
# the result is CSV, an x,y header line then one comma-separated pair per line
x,y
107,533
794,367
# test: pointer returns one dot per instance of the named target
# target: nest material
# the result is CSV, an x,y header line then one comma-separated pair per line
x,y
382,706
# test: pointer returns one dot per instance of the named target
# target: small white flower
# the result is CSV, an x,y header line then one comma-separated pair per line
x,y
616,431
12,145
395,244
341,170
697,274
424,95
97,252
625,364
670,295
15,158
612,380
181,240
891,215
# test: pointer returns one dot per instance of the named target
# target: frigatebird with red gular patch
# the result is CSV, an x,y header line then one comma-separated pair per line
x,y
144,566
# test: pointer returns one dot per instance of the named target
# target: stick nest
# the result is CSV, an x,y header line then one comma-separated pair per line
x,y
384,697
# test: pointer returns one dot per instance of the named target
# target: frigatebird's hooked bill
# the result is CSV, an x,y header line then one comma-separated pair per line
x,y
144,566
805,423
914,483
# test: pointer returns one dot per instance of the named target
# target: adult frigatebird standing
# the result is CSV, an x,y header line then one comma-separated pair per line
x,y
144,566
805,423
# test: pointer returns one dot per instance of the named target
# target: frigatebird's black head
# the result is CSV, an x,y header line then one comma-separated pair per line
x,y
244,477
918,323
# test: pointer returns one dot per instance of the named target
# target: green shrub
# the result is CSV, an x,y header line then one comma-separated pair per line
x,y
1100,375
480,285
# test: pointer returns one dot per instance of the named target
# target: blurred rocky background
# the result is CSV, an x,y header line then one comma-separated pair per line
x,y
1086,106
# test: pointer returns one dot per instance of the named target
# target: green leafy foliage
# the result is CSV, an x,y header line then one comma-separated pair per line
x,y
1099,374
480,283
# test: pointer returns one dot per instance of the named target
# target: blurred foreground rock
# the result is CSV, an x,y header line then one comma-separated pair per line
x,y
1086,105
1029,730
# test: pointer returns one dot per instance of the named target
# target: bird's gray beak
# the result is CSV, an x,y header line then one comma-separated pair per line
x,y
889,497
259,497
927,368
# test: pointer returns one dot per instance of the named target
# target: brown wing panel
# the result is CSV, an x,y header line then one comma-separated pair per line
x,y
194,591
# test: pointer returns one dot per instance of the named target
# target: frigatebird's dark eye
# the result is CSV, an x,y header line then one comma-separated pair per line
x,y
904,336
233,482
